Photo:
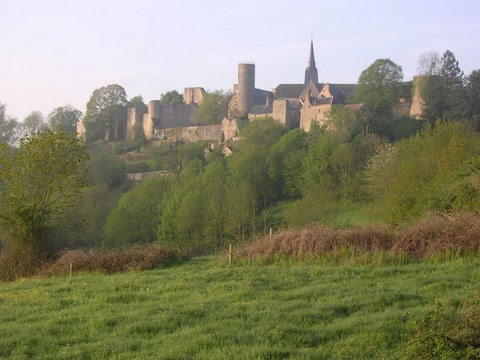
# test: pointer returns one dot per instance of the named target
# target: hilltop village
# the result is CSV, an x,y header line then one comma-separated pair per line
x,y
292,105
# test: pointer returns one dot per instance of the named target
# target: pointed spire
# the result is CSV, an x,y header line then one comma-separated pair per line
x,y
311,73
311,57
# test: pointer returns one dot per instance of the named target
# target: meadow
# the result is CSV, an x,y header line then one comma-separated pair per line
x,y
205,308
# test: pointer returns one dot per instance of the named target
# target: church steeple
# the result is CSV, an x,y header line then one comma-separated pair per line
x,y
311,73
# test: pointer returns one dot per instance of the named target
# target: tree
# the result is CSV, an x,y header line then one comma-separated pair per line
x,y
64,118
456,106
39,182
106,110
135,217
379,86
473,91
433,91
171,98
429,63
345,122
284,163
34,123
10,129
137,103
213,109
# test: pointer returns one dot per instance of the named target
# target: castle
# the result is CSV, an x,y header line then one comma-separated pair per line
x,y
292,105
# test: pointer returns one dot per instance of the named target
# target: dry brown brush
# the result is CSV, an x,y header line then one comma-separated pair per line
x,y
437,234
144,257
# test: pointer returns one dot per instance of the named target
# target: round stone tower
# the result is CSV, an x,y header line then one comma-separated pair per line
x,y
151,118
417,108
246,88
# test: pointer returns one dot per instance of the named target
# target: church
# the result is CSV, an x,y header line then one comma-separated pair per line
x,y
293,105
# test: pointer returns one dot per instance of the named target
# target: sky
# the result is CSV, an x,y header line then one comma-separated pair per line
x,y
57,52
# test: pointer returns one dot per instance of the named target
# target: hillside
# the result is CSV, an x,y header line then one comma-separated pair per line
x,y
206,309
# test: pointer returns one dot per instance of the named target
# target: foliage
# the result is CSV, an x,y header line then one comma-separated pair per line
x,y
379,86
171,98
456,106
429,63
105,168
137,103
40,182
446,333
64,118
10,129
473,92
405,180
213,108
284,163
105,110
34,123
433,92
134,218
345,122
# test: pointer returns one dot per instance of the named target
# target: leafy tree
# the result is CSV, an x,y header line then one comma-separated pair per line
x,y
135,217
412,178
429,63
379,86
171,98
34,123
64,118
10,129
106,110
284,163
213,109
39,182
456,106
433,92
138,103
345,122
105,168
473,91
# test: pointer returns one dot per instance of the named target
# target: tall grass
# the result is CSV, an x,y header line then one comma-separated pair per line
x,y
207,309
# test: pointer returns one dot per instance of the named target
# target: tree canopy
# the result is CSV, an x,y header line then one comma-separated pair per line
x,y
34,123
171,98
213,109
39,181
64,118
106,109
379,86
10,129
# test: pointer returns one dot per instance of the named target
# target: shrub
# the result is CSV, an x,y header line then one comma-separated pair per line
x,y
145,257
446,334
433,236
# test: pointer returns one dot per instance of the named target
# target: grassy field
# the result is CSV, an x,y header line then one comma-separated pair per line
x,y
206,309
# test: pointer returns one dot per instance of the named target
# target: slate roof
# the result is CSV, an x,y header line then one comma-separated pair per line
x,y
289,90
261,109
260,96
341,92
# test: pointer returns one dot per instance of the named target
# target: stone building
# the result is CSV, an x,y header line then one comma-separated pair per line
x,y
292,105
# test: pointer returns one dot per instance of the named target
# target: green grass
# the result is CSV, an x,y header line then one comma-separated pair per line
x,y
205,309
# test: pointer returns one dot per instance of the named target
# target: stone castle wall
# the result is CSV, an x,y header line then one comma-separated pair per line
x,y
193,133
175,116
193,95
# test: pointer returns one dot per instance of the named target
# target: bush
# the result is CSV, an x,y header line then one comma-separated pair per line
x,y
434,236
446,334
145,257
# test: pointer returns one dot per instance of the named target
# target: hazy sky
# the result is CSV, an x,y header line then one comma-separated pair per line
x,y
56,52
